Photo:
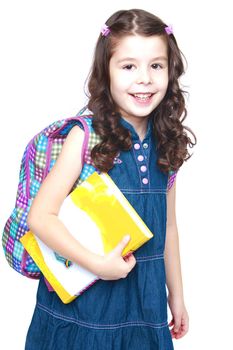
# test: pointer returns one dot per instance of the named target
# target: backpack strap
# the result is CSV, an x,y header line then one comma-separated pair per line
x,y
171,179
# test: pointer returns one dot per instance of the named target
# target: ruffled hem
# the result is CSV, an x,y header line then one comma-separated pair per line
x,y
54,332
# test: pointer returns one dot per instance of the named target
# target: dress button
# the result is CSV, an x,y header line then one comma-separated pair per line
x,y
136,146
140,158
145,181
143,168
145,145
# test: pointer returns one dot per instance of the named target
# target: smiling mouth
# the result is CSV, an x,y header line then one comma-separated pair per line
x,y
142,96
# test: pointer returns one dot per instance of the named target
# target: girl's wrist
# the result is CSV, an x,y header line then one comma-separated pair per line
x,y
176,299
178,295
94,263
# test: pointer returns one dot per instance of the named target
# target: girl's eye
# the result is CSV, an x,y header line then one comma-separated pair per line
x,y
128,67
157,66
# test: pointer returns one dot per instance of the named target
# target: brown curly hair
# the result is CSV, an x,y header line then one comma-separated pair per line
x,y
167,118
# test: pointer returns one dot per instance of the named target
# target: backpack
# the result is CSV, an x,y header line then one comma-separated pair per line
x,y
38,159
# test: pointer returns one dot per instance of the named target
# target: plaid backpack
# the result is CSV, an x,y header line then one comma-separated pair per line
x,y
39,157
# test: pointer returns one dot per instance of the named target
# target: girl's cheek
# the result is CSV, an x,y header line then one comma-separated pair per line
x,y
162,81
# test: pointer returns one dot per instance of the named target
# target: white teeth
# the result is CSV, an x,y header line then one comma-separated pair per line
x,y
142,96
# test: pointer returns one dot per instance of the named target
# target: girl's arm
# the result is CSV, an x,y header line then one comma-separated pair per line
x,y
173,270
43,215
172,254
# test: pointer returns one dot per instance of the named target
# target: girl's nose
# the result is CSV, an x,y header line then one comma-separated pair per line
x,y
144,77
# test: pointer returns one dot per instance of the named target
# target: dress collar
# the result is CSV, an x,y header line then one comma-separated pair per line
x,y
133,132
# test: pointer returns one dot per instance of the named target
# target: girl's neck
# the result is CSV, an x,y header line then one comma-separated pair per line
x,y
140,125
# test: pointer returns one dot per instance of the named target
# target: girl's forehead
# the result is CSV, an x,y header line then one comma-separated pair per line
x,y
137,45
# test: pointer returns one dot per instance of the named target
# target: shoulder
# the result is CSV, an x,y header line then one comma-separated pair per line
x,y
59,181
75,133
72,147
74,141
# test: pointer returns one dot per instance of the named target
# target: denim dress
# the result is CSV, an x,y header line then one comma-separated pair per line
x,y
129,313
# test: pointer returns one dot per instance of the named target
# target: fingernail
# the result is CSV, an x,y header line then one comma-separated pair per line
x,y
126,238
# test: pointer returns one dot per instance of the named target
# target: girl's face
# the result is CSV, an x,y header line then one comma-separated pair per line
x,y
138,75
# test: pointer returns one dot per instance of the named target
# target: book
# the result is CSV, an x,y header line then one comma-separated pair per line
x,y
98,215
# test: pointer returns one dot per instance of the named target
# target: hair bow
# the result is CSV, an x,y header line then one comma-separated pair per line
x,y
105,30
169,30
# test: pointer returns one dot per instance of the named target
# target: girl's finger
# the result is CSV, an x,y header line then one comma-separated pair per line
x,y
182,331
177,327
180,334
171,323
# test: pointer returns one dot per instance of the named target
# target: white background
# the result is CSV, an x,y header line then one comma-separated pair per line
x,y
46,52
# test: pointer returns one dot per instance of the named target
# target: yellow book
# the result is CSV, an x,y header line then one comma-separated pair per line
x,y
98,215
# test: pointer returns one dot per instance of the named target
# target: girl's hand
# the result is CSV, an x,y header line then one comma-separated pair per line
x,y
180,320
113,266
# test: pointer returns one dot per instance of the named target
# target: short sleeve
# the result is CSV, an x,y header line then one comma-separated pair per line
x,y
171,179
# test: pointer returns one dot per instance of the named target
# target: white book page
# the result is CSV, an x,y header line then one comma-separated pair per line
x,y
80,225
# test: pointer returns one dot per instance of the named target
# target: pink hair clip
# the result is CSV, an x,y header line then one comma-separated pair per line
x,y
105,30
169,30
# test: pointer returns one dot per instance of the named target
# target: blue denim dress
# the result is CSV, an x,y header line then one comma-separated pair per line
x,y
126,314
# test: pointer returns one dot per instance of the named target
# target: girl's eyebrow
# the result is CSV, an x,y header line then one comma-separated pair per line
x,y
159,58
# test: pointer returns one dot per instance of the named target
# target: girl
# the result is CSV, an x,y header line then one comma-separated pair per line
x,y
138,109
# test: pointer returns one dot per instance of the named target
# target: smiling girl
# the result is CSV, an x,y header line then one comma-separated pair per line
x,y
137,111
